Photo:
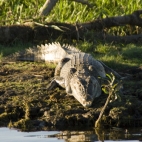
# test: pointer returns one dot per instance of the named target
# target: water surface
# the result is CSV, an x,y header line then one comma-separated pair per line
x,y
13,135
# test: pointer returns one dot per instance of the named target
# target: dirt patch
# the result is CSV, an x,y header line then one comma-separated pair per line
x,y
25,102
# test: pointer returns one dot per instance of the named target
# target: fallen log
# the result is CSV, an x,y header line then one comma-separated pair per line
x,y
36,32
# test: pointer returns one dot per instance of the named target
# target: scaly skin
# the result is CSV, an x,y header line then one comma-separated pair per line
x,y
53,52
76,71
79,76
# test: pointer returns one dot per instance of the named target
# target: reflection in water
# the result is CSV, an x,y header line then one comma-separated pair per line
x,y
13,135
76,136
115,134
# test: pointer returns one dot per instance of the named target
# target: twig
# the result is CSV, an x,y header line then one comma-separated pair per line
x,y
102,111
47,7
111,91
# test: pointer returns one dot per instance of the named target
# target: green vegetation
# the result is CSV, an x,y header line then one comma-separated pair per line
x,y
20,11
112,89
16,11
116,56
8,49
23,84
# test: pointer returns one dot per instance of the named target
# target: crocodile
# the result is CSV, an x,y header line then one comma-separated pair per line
x,y
79,76
76,71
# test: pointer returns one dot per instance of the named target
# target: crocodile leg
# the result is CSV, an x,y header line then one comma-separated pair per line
x,y
68,91
55,82
57,79
61,81
60,65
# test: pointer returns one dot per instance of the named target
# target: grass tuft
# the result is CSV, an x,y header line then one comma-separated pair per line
x,y
9,49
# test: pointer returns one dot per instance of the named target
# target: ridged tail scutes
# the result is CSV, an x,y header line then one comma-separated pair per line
x,y
52,52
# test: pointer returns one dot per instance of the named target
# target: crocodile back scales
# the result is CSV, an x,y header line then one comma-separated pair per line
x,y
84,61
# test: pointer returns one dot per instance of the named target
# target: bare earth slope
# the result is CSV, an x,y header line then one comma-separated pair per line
x,y
26,104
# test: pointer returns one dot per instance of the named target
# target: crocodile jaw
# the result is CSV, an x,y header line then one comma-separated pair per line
x,y
84,90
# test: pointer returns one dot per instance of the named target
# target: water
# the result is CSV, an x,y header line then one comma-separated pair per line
x,y
12,135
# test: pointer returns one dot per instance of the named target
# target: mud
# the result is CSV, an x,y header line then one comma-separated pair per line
x,y
26,104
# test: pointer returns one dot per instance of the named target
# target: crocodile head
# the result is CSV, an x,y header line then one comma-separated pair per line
x,y
85,89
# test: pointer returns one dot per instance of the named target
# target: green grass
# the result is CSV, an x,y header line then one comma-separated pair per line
x,y
20,11
121,57
9,49
116,56
14,11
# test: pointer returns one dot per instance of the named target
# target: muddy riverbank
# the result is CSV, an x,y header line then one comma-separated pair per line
x,y
25,102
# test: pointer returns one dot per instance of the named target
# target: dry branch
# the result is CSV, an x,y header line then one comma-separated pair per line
x,y
98,121
49,4
47,7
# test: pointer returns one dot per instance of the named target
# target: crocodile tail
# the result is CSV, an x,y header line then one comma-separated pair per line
x,y
29,54
49,53
109,70
70,49
53,52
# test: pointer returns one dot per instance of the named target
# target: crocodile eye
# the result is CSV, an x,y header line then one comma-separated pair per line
x,y
78,82
91,68
72,70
